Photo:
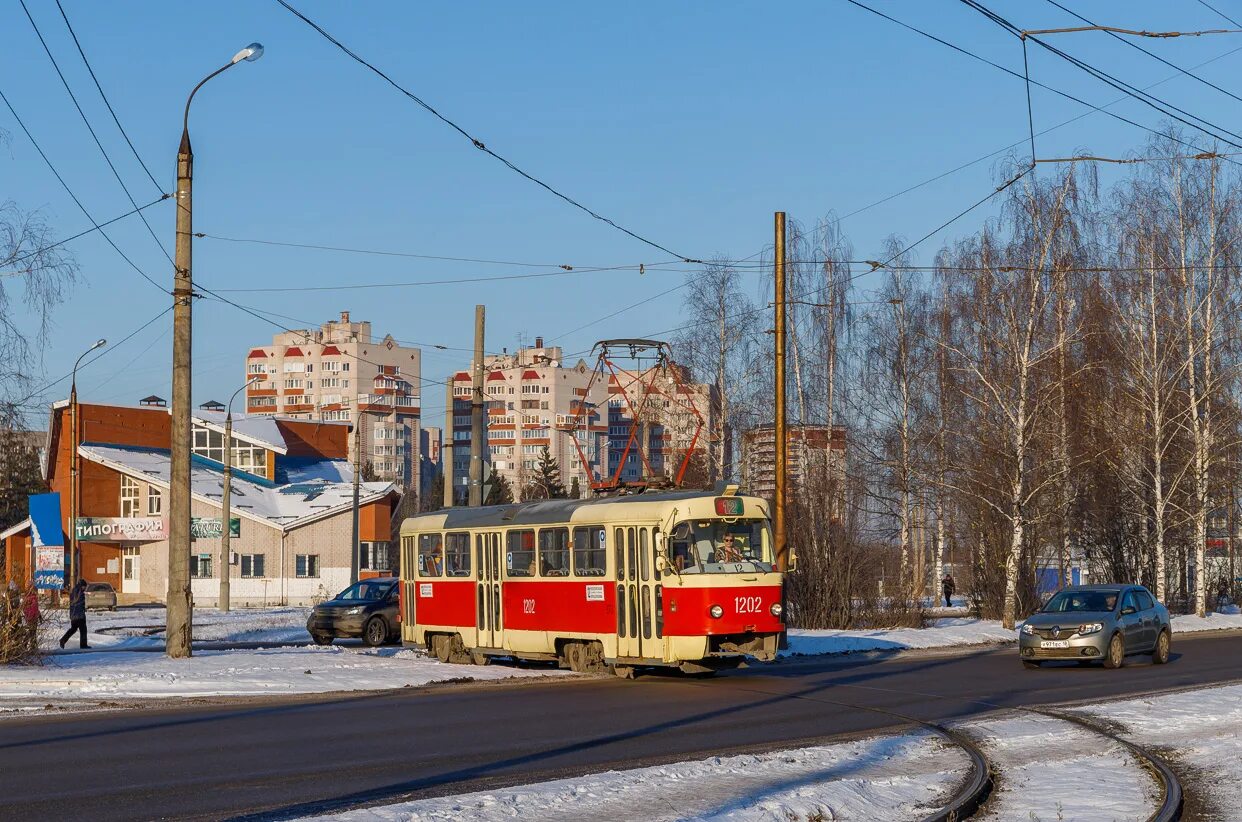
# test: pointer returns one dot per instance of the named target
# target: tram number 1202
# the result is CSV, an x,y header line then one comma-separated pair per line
x,y
528,606
747,605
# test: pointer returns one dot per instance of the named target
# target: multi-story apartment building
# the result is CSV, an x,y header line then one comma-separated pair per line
x,y
812,446
534,399
340,371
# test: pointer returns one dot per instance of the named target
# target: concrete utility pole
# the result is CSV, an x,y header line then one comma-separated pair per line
x,y
75,561
476,412
446,444
782,441
226,509
355,541
179,601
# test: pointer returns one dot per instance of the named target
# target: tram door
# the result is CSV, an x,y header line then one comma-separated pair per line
x,y
637,635
488,616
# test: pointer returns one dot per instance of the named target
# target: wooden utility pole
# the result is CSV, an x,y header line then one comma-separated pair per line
x,y
446,443
476,412
782,439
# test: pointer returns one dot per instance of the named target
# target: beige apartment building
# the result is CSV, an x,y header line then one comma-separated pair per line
x,y
813,447
342,372
535,399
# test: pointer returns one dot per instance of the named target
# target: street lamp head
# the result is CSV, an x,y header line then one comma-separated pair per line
x,y
99,344
250,53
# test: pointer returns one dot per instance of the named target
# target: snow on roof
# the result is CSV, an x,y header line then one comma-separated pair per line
x,y
284,507
256,430
16,528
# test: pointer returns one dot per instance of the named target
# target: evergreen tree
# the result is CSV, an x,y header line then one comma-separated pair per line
x,y
575,489
500,492
546,484
434,501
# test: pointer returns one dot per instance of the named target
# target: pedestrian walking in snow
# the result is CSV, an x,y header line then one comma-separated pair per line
x,y
947,587
77,614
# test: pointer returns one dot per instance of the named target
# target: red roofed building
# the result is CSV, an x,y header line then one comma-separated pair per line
x,y
340,372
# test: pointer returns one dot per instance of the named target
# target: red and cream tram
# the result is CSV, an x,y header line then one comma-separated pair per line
x,y
681,579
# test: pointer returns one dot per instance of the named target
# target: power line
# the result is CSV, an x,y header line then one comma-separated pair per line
x,y
94,136
477,143
1046,87
43,389
384,253
74,197
115,119
99,227
1149,100
1219,12
1151,54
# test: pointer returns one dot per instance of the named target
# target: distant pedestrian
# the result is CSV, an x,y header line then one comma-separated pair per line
x,y
947,587
77,614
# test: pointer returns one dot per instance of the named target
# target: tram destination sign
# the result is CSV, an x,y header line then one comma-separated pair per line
x,y
210,527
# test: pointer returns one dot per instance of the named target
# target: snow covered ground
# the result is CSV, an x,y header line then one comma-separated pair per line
x,y
891,778
942,633
1049,769
136,628
85,678
1201,731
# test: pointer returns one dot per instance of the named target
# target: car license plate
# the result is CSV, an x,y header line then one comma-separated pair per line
x,y
1054,643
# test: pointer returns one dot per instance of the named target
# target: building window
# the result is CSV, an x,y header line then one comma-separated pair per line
x,y
306,565
155,501
252,565
374,556
200,566
129,497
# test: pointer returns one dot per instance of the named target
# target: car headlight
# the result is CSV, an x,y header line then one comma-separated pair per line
x,y
1090,628
776,609
716,611
1028,628
354,611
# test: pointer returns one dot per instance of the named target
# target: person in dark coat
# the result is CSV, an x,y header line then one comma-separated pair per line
x,y
947,587
77,614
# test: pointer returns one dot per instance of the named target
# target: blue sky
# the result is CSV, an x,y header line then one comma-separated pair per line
x,y
688,123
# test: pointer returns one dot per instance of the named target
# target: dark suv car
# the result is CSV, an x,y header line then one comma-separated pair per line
x,y
366,609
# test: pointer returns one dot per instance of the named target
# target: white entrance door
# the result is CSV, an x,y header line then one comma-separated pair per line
x,y
130,570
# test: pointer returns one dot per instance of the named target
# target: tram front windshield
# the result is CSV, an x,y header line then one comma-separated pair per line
x,y
714,546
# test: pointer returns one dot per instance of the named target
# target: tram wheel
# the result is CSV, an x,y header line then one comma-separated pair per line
x,y
479,658
440,647
457,653
625,671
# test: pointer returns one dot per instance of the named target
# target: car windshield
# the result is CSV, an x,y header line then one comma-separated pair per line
x,y
718,547
1071,601
368,590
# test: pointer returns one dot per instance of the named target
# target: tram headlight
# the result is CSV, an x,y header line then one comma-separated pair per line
x,y
776,609
716,611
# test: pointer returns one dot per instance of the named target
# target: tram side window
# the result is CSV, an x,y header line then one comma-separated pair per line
x,y
430,556
457,554
590,554
554,552
520,558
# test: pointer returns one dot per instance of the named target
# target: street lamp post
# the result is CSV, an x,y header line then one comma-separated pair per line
x,y
74,562
178,633
226,498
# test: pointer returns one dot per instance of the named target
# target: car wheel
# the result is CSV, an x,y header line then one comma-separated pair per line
x,y
375,632
1160,655
1031,663
1116,653
322,639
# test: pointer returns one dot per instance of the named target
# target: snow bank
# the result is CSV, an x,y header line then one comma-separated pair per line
x,y
1188,623
143,627
72,678
1202,728
942,633
1051,769
891,778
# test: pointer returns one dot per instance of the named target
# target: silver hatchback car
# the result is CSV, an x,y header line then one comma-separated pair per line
x,y
1087,623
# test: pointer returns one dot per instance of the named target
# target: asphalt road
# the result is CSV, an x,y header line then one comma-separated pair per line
x,y
301,756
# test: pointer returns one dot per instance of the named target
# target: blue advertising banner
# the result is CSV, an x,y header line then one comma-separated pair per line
x,y
49,541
